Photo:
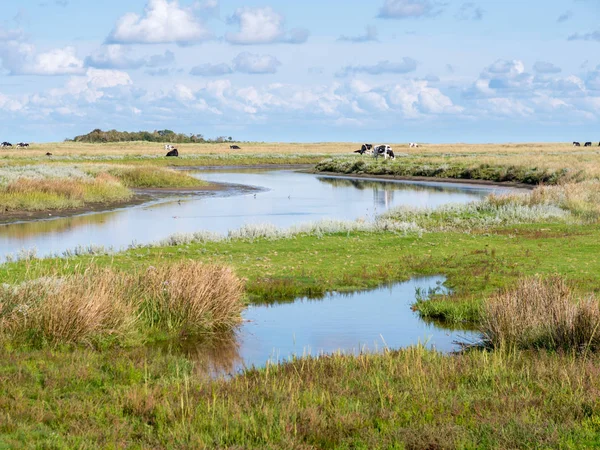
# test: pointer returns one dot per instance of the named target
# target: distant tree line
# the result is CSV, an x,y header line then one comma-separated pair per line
x,y
167,136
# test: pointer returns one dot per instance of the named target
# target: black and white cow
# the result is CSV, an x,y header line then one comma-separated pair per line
x,y
48,154
383,150
169,147
235,147
22,144
5,144
587,144
576,144
365,148
413,145
173,152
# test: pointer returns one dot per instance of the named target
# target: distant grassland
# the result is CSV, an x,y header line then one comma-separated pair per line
x,y
531,163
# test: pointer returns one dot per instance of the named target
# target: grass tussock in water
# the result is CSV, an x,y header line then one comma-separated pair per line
x,y
541,313
102,304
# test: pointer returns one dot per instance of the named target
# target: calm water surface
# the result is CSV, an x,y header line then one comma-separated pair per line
x,y
350,323
282,198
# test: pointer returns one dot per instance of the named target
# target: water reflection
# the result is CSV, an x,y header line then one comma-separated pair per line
x,y
368,321
286,198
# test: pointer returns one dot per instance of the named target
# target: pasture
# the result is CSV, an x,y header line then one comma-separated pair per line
x,y
100,347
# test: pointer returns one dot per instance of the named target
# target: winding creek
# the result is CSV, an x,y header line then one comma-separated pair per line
x,y
368,320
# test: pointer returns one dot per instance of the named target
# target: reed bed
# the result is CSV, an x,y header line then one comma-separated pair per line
x,y
103,305
541,313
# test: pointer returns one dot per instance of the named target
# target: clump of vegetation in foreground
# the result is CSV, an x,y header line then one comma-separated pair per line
x,y
44,187
542,313
411,399
103,305
447,169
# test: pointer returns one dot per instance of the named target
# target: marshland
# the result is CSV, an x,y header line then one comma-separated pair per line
x,y
354,303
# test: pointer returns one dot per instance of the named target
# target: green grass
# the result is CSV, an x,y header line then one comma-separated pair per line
x,y
449,168
409,399
476,264
152,177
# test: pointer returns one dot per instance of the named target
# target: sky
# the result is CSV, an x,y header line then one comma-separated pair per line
x,y
303,71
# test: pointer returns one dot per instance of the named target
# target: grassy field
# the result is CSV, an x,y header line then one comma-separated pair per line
x,y
523,268
45,187
552,157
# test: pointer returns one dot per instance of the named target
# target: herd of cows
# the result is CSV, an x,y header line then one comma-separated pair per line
x,y
587,144
19,145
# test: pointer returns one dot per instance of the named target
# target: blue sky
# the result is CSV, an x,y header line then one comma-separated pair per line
x,y
274,70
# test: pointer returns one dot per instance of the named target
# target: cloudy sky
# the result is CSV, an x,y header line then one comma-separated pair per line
x,y
275,70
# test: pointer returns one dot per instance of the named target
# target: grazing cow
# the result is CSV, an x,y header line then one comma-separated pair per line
x,y
587,144
413,145
234,147
173,152
576,144
365,148
169,147
6,144
48,154
22,144
384,150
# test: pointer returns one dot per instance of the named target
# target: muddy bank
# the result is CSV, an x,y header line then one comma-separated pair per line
x,y
140,197
425,179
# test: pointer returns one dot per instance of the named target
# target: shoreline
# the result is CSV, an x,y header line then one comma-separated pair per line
x,y
473,182
140,196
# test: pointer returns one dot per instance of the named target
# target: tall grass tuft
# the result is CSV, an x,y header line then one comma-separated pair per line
x,y
190,297
542,313
102,305
79,309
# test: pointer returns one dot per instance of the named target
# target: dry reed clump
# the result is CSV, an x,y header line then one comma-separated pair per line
x,y
102,304
542,313
75,309
190,297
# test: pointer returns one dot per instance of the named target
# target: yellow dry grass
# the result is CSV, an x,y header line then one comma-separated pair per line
x,y
542,313
86,308
151,148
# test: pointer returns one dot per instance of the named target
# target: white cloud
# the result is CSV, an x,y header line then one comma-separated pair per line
x,y
116,56
245,62
405,65
591,36
404,9
565,16
90,87
262,26
164,22
255,64
21,58
370,35
546,67
211,70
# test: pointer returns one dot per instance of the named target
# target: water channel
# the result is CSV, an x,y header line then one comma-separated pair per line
x,y
351,323
279,197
